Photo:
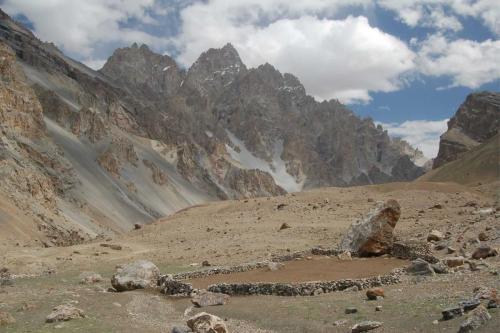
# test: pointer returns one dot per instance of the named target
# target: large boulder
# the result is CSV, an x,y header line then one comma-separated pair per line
x,y
206,323
373,234
140,274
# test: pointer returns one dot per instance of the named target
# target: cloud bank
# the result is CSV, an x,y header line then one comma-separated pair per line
x,y
422,134
334,55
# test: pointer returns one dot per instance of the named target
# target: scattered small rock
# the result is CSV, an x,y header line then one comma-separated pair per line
x,y
5,277
420,267
482,236
350,310
281,206
27,307
205,263
470,304
340,322
90,278
493,304
440,267
484,251
453,312
378,308
64,313
450,250
137,226
206,298
206,323
285,226
346,255
373,293
112,246
177,329
274,266
6,318
435,236
454,261
475,319
365,326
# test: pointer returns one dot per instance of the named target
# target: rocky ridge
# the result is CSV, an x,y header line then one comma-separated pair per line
x,y
476,121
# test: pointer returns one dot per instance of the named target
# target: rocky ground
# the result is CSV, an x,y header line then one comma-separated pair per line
x,y
459,219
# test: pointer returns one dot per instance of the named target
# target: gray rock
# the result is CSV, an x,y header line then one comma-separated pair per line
x,y
470,304
453,312
140,274
420,267
365,326
477,317
177,329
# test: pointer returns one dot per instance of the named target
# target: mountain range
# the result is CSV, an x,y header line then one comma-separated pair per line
x,y
87,153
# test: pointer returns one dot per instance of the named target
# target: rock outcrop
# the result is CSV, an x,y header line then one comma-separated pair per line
x,y
476,121
373,234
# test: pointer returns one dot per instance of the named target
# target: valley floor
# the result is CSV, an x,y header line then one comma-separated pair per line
x,y
233,232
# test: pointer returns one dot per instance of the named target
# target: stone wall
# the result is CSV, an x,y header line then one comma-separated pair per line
x,y
305,288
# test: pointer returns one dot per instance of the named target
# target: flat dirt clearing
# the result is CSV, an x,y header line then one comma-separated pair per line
x,y
236,232
318,268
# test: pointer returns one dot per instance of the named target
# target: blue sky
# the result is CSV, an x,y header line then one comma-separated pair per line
x,y
406,64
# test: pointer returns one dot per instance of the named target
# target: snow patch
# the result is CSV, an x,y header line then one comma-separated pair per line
x,y
277,167
209,134
166,68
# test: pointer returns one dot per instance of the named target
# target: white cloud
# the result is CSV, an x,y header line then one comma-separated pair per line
x,y
445,14
468,63
345,59
77,26
422,134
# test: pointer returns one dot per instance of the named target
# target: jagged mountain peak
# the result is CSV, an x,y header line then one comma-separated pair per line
x,y
149,73
214,70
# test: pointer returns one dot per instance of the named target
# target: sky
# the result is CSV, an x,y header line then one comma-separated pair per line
x,y
406,64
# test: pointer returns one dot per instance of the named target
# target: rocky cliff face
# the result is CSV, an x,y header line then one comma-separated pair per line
x,y
476,121
142,138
